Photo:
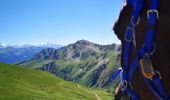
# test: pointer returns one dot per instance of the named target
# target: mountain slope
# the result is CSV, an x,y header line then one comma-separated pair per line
x,y
84,62
17,83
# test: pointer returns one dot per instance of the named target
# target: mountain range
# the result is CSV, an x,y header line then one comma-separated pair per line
x,y
83,62
15,54
47,45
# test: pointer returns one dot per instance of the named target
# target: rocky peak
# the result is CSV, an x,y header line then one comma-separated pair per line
x,y
82,44
44,54
79,50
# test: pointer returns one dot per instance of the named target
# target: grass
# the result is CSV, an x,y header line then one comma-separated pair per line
x,y
100,93
18,83
36,63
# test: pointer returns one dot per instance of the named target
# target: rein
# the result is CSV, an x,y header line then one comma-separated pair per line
x,y
142,58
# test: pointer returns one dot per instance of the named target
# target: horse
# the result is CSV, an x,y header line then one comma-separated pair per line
x,y
160,58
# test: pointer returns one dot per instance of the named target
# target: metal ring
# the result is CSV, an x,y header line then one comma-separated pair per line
x,y
137,22
125,37
154,49
153,11
123,85
130,84
159,74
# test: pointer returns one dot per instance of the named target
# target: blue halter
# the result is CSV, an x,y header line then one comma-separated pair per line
x,y
154,83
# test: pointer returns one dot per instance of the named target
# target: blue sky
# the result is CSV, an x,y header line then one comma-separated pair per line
x,y
58,21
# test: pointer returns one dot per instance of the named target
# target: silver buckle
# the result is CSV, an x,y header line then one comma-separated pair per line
x,y
131,29
137,22
125,84
159,74
153,11
154,48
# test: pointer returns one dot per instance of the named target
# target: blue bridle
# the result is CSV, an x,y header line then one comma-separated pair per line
x,y
154,83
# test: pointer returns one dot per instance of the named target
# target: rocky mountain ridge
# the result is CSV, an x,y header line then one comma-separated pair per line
x,y
84,62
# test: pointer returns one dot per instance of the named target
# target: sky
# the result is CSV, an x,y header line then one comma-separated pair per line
x,y
58,21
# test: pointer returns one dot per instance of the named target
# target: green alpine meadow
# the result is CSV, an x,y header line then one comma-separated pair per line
x,y
20,83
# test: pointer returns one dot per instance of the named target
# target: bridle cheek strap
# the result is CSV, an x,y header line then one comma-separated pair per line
x,y
128,72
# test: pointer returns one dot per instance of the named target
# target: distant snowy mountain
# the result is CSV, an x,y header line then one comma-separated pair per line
x,y
15,54
49,45
3,45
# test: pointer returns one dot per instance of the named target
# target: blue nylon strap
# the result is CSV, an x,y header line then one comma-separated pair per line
x,y
133,94
152,88
150,33
154,4
131,2
126,54
128,38
126,59
142,52
155,85
116,74
159,87
160,93
149,41
152,19
137,7
132,69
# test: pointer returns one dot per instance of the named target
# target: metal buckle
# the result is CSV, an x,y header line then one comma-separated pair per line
x,y
154,48
147,68
159,74
151,11
137,22
124,84
129,29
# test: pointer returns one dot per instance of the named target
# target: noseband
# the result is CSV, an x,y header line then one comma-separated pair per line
x,y
142,58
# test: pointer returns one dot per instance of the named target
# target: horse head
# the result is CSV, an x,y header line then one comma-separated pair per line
x,y
160,56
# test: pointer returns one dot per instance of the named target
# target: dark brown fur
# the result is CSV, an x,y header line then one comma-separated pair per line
x,y
161,58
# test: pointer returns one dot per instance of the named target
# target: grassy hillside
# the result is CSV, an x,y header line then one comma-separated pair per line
x,y
83,62
18,83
